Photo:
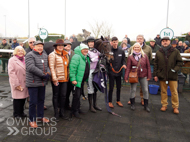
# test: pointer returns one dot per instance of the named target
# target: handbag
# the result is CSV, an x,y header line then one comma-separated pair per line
x,y
133,76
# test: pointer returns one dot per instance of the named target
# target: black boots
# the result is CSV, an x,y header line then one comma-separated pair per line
x,y
146,105
132,100
94,102
91,108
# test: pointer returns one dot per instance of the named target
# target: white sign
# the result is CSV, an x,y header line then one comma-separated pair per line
x,y
167,32
43,34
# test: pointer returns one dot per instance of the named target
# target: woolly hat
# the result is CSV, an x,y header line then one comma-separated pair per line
x,y
83,46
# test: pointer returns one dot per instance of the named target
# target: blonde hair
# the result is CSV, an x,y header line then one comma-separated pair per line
x,y
16,50
142,52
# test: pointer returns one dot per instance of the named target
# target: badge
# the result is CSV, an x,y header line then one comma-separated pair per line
x,y
133,67
65,63
119,54
141,69
166,82
42,61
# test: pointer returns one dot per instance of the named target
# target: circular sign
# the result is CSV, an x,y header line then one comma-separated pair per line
x,y
167,32
43,34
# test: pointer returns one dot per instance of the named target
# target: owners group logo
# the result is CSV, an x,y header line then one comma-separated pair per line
x,y
22,126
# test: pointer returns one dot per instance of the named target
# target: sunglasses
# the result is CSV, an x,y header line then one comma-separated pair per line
x,y
31,42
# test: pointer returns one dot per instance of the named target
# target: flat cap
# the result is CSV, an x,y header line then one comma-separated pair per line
x,y
38,42
165,38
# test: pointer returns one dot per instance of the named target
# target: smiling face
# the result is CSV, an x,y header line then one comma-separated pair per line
x,y
60,48
31,43
20,52
39,48
114,44
68,47
91,44
84,51
140,40
137,48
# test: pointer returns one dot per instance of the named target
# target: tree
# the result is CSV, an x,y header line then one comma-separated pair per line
x,y
102,28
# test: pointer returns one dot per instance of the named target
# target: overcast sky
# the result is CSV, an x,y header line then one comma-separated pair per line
x,y
131,17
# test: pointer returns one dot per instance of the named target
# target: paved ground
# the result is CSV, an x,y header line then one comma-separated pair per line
x,y
132,126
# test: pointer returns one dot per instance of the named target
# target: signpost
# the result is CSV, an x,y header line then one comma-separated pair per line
x,y
43,34
167,32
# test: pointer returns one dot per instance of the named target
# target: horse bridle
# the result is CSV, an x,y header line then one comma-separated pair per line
x,y
102,51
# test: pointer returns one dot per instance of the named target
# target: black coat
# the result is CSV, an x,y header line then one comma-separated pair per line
x,y
118,62
158,41
180,48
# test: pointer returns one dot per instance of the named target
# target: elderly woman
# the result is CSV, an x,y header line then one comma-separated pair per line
x,y
17,79
37,75
136,57
58,64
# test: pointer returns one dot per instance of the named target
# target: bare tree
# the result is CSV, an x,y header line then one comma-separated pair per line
x,y
101,28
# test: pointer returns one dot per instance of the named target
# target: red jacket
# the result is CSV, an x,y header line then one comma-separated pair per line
x,y
144,65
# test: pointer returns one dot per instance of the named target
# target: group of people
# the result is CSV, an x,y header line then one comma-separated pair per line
x,y
68,70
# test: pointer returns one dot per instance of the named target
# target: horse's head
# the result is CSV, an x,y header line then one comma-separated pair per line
x,y
104,47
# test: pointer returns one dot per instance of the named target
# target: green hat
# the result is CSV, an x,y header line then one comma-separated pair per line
x,y
152,40
83,46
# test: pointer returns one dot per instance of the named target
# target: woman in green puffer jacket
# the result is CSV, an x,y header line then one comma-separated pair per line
x,y
79,71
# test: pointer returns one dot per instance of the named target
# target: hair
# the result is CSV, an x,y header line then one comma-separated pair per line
x,y
142,52
32,38
140,36
21,43
16,50
124,39
114,38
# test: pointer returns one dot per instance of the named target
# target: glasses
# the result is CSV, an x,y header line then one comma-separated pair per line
x,y
31,42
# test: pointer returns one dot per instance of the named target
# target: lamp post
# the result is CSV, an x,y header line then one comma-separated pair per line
x,y
167,15
28,19
65,18
5,26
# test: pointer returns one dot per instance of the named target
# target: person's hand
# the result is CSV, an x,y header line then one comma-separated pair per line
x,y
148,79
0,56
19,88
74,82
126,81
45,76
124,66
56,83
156,78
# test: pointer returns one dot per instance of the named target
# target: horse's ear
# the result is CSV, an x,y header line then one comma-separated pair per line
x,y
102,38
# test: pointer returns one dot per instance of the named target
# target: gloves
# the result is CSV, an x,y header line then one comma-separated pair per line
x,y
45,76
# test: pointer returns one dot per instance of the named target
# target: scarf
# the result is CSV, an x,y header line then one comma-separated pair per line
x,y
136,55
166,49
21,58
124,48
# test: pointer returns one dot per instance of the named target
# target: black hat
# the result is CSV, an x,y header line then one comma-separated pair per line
x,y
38,42
174,42
165,38
90,38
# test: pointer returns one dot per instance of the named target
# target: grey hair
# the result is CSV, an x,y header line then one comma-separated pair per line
x,y
124,39
32,38
141,36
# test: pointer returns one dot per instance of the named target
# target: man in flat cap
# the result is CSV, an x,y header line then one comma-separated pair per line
x,y
167,63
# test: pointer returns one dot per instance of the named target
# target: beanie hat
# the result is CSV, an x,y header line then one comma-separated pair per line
x,y
83,46
186,42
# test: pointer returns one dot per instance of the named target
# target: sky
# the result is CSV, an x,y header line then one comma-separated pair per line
x,y
131,17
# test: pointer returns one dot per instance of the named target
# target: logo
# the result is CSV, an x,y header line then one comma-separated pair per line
x,y
167,32
102,83
43,34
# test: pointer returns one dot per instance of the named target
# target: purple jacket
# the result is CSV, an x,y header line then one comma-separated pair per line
x,y
94,56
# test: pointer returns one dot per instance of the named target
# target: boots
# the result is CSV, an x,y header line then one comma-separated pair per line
x,y
146,105
132,103
94,102
91,108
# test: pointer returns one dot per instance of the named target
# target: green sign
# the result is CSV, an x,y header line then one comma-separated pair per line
x,y
167,32
43,33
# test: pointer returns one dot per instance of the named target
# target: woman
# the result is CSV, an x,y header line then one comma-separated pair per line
x,y
58,64
143,71
17,79
92,92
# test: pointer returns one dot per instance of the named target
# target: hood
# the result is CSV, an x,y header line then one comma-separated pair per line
x,y
78,51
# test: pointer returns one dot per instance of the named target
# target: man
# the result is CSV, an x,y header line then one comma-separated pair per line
x,y
148,51
69,85
15,43
117,63
37,75
185,45
6,56
168,62
79,69
128,39
174,44
177,40
158,40
187,38
31,41
180,46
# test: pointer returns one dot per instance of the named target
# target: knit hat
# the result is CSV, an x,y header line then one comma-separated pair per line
x,y
186,42
83,46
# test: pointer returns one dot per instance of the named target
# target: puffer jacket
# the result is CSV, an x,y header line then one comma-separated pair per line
x,y
59,66
36,66
94,57
163,64
77,66
143,69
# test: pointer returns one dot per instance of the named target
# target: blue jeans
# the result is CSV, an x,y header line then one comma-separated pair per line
x,y
37,97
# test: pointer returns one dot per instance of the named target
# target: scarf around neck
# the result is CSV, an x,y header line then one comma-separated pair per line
x,y
20,58
166,49
137,56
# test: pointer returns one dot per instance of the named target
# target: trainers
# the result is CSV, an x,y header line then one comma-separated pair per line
x,y
164,108
111,105
176,111
119,104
